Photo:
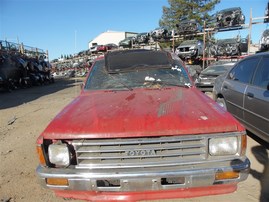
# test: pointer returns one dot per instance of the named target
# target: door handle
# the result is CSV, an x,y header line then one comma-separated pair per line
x,y
250,95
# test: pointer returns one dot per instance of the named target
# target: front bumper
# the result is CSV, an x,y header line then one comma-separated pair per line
x,y
205,87
147,195
187,54
179,179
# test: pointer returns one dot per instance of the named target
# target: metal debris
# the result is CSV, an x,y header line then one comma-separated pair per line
x,y
11,121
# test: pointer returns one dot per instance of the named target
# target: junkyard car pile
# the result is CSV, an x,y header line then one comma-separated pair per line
x,y
142,38
227,18
19,70
141,130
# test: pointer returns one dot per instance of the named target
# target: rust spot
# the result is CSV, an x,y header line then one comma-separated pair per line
x,y
130,97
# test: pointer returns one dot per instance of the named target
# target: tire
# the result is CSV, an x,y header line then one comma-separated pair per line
x,y
222,103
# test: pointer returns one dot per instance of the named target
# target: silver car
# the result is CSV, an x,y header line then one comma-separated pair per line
x,y
206,79
244,92
190,49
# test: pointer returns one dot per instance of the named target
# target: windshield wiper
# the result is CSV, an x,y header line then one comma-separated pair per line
x,y
123,84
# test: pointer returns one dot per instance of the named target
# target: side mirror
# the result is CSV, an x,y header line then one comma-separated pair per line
x,y
268,86
231,75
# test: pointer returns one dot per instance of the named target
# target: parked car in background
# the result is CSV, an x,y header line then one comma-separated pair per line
x,y
102,48
94,49
230,17
105,48
244,92
188,27
264,41
139,130
206,79
111,46
126,43
190,49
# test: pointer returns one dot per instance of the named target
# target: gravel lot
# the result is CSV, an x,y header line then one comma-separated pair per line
x,y
25,113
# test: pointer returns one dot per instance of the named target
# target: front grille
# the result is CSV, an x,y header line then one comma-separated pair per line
x,y
185,49
139,152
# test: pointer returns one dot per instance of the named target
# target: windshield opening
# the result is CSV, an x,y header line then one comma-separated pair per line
x,y
101,79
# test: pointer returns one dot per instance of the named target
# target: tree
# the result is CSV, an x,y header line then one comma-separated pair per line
x,y
179,10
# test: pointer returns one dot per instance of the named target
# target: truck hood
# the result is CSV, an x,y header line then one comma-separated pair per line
x,y
140,112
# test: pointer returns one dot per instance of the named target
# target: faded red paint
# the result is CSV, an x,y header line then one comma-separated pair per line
x,y
140,112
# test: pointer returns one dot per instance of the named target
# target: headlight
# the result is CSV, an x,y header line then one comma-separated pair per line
x,y
223,146
59,154
192,47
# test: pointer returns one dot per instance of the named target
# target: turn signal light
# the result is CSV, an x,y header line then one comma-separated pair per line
x,y
57,181
41,157
227,175
243,144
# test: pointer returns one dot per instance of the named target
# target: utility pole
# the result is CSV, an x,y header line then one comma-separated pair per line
x,y
173,46
250,30
204,47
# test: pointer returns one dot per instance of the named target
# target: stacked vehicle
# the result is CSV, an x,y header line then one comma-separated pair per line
x,y
18,70
264,42
230,17
229,47
189,27
190,49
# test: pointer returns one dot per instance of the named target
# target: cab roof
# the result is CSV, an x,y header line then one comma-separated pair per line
x,y
130,60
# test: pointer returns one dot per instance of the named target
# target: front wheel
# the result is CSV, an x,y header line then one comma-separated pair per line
x,y
222,103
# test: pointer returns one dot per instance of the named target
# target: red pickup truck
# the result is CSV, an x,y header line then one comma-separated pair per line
x,y
140,130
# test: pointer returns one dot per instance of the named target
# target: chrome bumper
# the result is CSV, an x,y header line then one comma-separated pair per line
x,y
145,179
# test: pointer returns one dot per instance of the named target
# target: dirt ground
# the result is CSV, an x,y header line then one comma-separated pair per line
x,y
25,113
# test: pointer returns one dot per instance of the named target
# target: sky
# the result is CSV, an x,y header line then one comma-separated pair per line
x,y
67,26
